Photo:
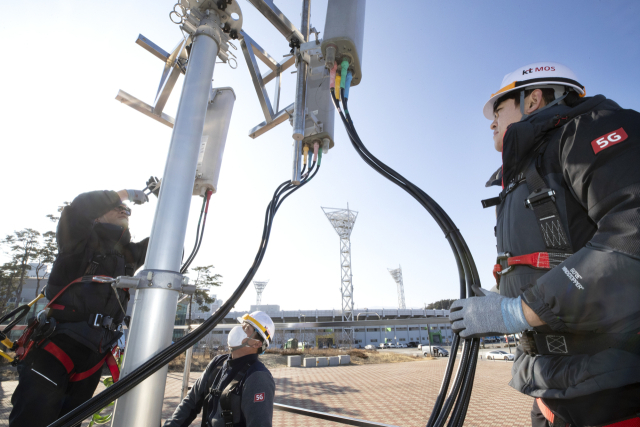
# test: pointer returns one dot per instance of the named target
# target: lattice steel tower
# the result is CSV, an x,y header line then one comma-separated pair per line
x,y
259,288
397,276
342,221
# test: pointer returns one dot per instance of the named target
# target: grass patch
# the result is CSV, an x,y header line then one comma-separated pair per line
x,y
199,361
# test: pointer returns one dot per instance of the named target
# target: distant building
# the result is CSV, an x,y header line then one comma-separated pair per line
x,y
267,308
434,330
33,270
435,325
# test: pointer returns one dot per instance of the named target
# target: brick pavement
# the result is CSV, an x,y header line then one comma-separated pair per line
x,y
400,394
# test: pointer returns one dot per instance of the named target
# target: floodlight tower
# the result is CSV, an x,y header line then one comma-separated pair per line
x,y
342,221
397,276
259,288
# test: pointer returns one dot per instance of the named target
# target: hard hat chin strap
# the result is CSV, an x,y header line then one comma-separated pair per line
x,y
556,101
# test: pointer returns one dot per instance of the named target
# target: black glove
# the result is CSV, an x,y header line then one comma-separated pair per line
x,y
153,186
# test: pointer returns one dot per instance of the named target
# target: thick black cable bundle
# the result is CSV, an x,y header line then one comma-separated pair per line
x,y
145,370
199,234
19,313
458,398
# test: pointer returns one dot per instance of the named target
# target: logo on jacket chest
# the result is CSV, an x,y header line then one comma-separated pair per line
x,y
606,141
573,275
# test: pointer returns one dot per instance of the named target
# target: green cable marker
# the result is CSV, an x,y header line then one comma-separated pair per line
x,y
343,73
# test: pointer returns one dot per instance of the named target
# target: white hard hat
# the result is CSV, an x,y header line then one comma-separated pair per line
x,y
263,325
538,74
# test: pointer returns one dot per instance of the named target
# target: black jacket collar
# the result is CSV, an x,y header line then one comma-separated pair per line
x,y
240,361
524,137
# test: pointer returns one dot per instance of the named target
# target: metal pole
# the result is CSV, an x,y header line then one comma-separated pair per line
x,y
299,113
154,308
187,360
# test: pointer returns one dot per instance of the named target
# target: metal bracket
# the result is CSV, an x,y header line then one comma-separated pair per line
x,y
144,108
253,51
175,63
160,279
278,19
311,48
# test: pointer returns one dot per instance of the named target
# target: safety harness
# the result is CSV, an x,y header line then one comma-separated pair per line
x,y
40,328
542,201
223,395
558,422
557,344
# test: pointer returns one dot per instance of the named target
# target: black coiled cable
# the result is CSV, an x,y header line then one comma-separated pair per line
x,y
458,398
148,368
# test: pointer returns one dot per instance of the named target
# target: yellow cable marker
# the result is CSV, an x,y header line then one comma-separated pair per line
x,y
6,356
337,87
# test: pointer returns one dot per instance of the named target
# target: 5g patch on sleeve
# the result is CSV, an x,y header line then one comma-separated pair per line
x,y
259,397
606,141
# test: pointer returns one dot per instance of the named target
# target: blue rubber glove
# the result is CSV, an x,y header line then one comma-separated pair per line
x,y
491,314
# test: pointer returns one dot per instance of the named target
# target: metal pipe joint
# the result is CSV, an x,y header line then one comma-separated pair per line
x,y
160,279
210,26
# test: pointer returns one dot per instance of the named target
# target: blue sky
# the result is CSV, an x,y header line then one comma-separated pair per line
x,y
428,68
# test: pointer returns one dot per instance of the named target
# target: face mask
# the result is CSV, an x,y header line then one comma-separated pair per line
x,y
236,336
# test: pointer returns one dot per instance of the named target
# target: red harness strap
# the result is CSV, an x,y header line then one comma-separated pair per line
x,y
66,361
633,422
79,279
113,367
550,416
59,354
535,260
24,344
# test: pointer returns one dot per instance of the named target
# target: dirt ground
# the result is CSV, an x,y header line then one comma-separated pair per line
x,y
7,372
278,358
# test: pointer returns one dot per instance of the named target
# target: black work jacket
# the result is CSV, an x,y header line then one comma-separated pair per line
x,y
598,200
97,249
252,404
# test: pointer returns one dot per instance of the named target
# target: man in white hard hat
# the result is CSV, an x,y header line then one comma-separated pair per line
x,y
568,234
235,389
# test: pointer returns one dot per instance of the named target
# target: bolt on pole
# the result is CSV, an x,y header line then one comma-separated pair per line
x,y
155,307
